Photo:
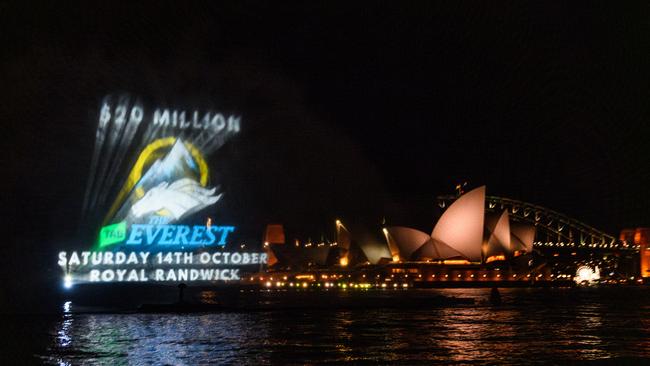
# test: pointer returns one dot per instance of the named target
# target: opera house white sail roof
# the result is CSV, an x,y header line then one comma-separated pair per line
x,y
497,235
461,225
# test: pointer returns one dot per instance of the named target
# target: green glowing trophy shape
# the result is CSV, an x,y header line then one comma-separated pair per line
x,y
111,234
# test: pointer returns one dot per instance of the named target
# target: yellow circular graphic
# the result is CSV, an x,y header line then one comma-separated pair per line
x,y
150,154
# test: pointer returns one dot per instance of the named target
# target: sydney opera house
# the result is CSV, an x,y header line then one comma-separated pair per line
x,y
464,234
467,243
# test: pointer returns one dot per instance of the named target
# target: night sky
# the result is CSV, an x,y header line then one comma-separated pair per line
x,y
361,112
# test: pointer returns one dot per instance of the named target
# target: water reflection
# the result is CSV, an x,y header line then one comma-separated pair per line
x,y
157,339
532,326
63,334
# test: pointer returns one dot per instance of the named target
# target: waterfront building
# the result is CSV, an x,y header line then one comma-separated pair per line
x,y
464,234
477,238
639,237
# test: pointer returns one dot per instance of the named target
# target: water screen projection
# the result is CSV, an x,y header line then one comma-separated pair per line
x,y
150,196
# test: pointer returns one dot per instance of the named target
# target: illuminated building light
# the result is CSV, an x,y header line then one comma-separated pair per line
x,y
493,258
458,276
383,285
268,284
304,277
514,275
498,275
67,281
446,275
343,261
453,262
472,275
394,285
586,274
405,285
484,275
278,284
304,284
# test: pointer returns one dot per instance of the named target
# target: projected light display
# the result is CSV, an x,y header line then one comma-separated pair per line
x,y
149,186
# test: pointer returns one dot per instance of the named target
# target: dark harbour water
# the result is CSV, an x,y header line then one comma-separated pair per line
x,y
532,326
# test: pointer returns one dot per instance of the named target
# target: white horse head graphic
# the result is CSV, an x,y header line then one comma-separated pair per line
x,y
181,198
